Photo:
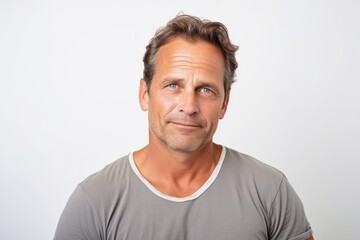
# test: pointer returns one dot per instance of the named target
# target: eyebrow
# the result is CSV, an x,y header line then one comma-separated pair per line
x,y
167,80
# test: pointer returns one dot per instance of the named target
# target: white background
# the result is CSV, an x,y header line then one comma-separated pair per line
x,y
69,74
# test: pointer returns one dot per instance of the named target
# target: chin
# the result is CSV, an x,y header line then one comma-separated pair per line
x,y
185,146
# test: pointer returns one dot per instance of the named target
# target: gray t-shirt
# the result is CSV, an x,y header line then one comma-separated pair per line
x,y
243,199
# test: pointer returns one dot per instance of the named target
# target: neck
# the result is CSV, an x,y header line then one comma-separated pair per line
x,y
177,173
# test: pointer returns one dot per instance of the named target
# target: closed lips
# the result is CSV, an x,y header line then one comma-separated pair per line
x,y
186,124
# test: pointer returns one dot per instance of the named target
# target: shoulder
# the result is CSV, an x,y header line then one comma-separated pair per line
x,y
113,175
269,188
251,168
252,176
90,205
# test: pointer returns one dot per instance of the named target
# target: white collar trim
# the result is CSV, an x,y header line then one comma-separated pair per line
x,y
193,196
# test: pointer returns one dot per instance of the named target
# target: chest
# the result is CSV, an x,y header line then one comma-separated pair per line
x,y
139,214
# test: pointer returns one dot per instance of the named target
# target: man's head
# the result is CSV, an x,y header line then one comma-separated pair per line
x,y
189,69
192,29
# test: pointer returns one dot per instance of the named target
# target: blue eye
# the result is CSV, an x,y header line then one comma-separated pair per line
x,y
172,85
205,90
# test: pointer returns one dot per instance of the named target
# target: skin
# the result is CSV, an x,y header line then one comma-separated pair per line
x,y
186,100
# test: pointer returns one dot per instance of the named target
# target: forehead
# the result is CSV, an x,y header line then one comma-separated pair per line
x,y
195,56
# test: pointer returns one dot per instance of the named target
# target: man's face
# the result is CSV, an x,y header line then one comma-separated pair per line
x,y
187,96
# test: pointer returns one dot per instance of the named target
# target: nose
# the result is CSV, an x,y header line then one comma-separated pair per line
x,y
188,103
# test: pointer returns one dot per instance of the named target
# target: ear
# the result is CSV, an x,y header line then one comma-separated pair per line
x,y
224,106
143,95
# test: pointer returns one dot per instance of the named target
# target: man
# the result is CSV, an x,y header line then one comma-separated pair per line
x,y
182,185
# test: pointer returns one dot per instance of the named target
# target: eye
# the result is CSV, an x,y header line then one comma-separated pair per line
x,y
172,85
206,90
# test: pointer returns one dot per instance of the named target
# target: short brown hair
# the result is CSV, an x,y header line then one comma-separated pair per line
x,y
192,28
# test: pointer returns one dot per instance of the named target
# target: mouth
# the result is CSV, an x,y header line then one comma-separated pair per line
x,y
186,124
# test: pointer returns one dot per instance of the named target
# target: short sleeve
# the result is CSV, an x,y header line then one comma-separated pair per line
x,y
287,216
78,221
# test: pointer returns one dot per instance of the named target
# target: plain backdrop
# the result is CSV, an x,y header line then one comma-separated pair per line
x,y
69,75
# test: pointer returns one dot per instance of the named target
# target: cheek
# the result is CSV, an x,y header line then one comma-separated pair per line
x,y
164,105
212,112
